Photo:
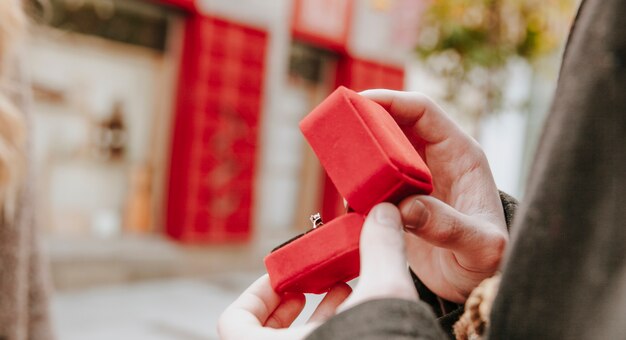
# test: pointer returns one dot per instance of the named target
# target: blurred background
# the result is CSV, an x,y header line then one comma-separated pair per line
x,y
168,156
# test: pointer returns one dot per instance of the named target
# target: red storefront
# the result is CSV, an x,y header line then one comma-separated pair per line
x,y
218,112
327,24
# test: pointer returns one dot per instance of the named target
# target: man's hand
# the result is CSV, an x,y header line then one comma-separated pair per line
x,y
457,235
260,313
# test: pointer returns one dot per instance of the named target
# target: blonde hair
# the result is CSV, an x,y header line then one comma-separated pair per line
x,y
474,322
12,27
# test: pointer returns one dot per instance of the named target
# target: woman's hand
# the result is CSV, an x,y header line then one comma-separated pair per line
x,y
457,235
260,313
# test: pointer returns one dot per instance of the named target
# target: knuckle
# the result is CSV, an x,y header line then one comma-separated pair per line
x,y
449,230
422,98
475,150
496,247
500,243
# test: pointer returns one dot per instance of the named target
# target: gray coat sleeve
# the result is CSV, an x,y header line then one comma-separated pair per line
x,y
382,319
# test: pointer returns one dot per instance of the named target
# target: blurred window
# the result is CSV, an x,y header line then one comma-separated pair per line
x,y
128,21
308,62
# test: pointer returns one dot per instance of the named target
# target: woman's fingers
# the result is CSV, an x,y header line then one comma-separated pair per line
x,y
246,318
251,309
328,307
287,311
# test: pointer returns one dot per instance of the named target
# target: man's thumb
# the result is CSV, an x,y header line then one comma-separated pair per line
x,y
436,222
477,243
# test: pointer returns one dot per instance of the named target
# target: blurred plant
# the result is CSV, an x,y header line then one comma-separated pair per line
x,y
469,43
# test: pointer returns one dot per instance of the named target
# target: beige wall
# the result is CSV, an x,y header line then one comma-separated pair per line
x,y
81,193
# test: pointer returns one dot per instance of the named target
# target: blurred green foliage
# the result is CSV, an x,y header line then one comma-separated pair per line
x,y
487,32
458,37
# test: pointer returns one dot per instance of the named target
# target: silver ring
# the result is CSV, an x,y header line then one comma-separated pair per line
x,y
316,219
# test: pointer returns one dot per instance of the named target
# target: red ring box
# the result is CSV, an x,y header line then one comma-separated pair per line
x,y
370,160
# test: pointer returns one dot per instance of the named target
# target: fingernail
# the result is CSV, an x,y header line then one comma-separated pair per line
x,y
387,214
417,216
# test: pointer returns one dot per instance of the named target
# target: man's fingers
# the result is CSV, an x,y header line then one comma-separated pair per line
x,y
472,240
446,149
416,110
328,307
288,310
384,270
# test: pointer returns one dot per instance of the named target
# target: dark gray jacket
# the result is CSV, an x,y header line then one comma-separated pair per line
x,y
564,276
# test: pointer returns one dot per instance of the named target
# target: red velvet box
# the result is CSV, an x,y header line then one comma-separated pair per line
x,y
370,160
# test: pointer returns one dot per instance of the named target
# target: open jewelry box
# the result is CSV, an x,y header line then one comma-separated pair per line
x,y
370,160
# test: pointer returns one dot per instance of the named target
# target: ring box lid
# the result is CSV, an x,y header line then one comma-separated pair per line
x,y
364,151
